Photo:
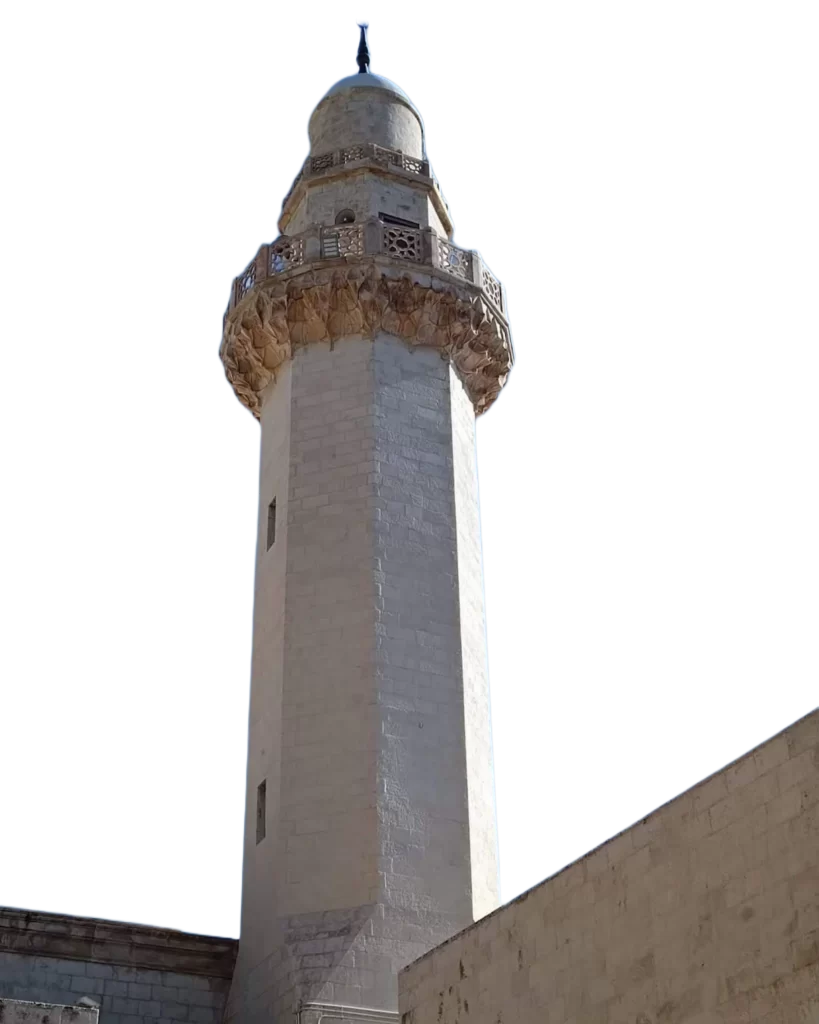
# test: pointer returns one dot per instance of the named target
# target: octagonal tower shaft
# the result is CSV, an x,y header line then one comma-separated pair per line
x,y
370,824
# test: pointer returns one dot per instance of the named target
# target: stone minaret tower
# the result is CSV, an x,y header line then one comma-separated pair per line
x,y
365,343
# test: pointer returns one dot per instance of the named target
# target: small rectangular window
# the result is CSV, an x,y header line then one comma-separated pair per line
x,y
271,524
261,810
388,218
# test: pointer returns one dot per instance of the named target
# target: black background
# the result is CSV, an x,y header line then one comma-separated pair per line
x,y
643,497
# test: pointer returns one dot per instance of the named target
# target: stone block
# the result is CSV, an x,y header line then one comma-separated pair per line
x,y
125,1005
94,970
709,793
165,993
771,754
796,770
198,997
202,1015
87,986
802,736
741,774
175,1011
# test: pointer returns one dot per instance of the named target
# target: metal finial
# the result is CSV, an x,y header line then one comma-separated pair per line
x,y
363,56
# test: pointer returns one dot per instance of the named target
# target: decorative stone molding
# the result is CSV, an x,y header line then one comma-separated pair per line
x,y
67,937
323,304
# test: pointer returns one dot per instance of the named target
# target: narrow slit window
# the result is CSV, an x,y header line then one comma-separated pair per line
x,y
261,810
271,524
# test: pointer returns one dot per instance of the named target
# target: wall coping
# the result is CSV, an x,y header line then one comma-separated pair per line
x,y
36,933
24,1011
793,728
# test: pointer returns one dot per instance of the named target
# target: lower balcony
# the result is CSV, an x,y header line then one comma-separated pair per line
x,y
329,283
318,245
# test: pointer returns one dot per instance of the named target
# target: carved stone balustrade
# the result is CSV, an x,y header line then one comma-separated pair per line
x,y
358,279
370,238
380,155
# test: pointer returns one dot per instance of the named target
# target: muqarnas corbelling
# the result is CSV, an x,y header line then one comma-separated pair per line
x,y
279,316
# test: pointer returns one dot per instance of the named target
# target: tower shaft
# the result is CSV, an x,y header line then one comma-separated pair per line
x,y
363,678
370,827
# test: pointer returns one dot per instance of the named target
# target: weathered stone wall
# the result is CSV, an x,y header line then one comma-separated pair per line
x,y
706,911
133,974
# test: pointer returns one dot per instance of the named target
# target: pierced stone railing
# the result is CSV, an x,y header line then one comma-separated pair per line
x,y
284,254
492,286
245,281
367,151
342,240
345,242
389,159
403,243
457,262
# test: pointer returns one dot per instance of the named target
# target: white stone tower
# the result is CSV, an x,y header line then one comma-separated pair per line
x,y
365,342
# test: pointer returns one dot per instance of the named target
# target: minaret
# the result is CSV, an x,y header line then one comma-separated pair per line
x,y
365,343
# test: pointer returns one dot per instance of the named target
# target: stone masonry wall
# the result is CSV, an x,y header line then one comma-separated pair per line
x,y
367,194
126,995
133,974
707,911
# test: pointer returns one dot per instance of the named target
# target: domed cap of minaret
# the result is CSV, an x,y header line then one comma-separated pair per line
x,y
366,108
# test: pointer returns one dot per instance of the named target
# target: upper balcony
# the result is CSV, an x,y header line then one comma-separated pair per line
x,y
389,162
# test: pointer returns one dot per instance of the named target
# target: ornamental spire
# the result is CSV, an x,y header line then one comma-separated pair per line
x,y
363,57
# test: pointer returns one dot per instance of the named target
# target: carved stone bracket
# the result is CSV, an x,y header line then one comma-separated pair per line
x,y
363,298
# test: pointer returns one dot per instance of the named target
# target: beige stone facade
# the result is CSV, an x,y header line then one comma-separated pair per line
x,y
705,912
